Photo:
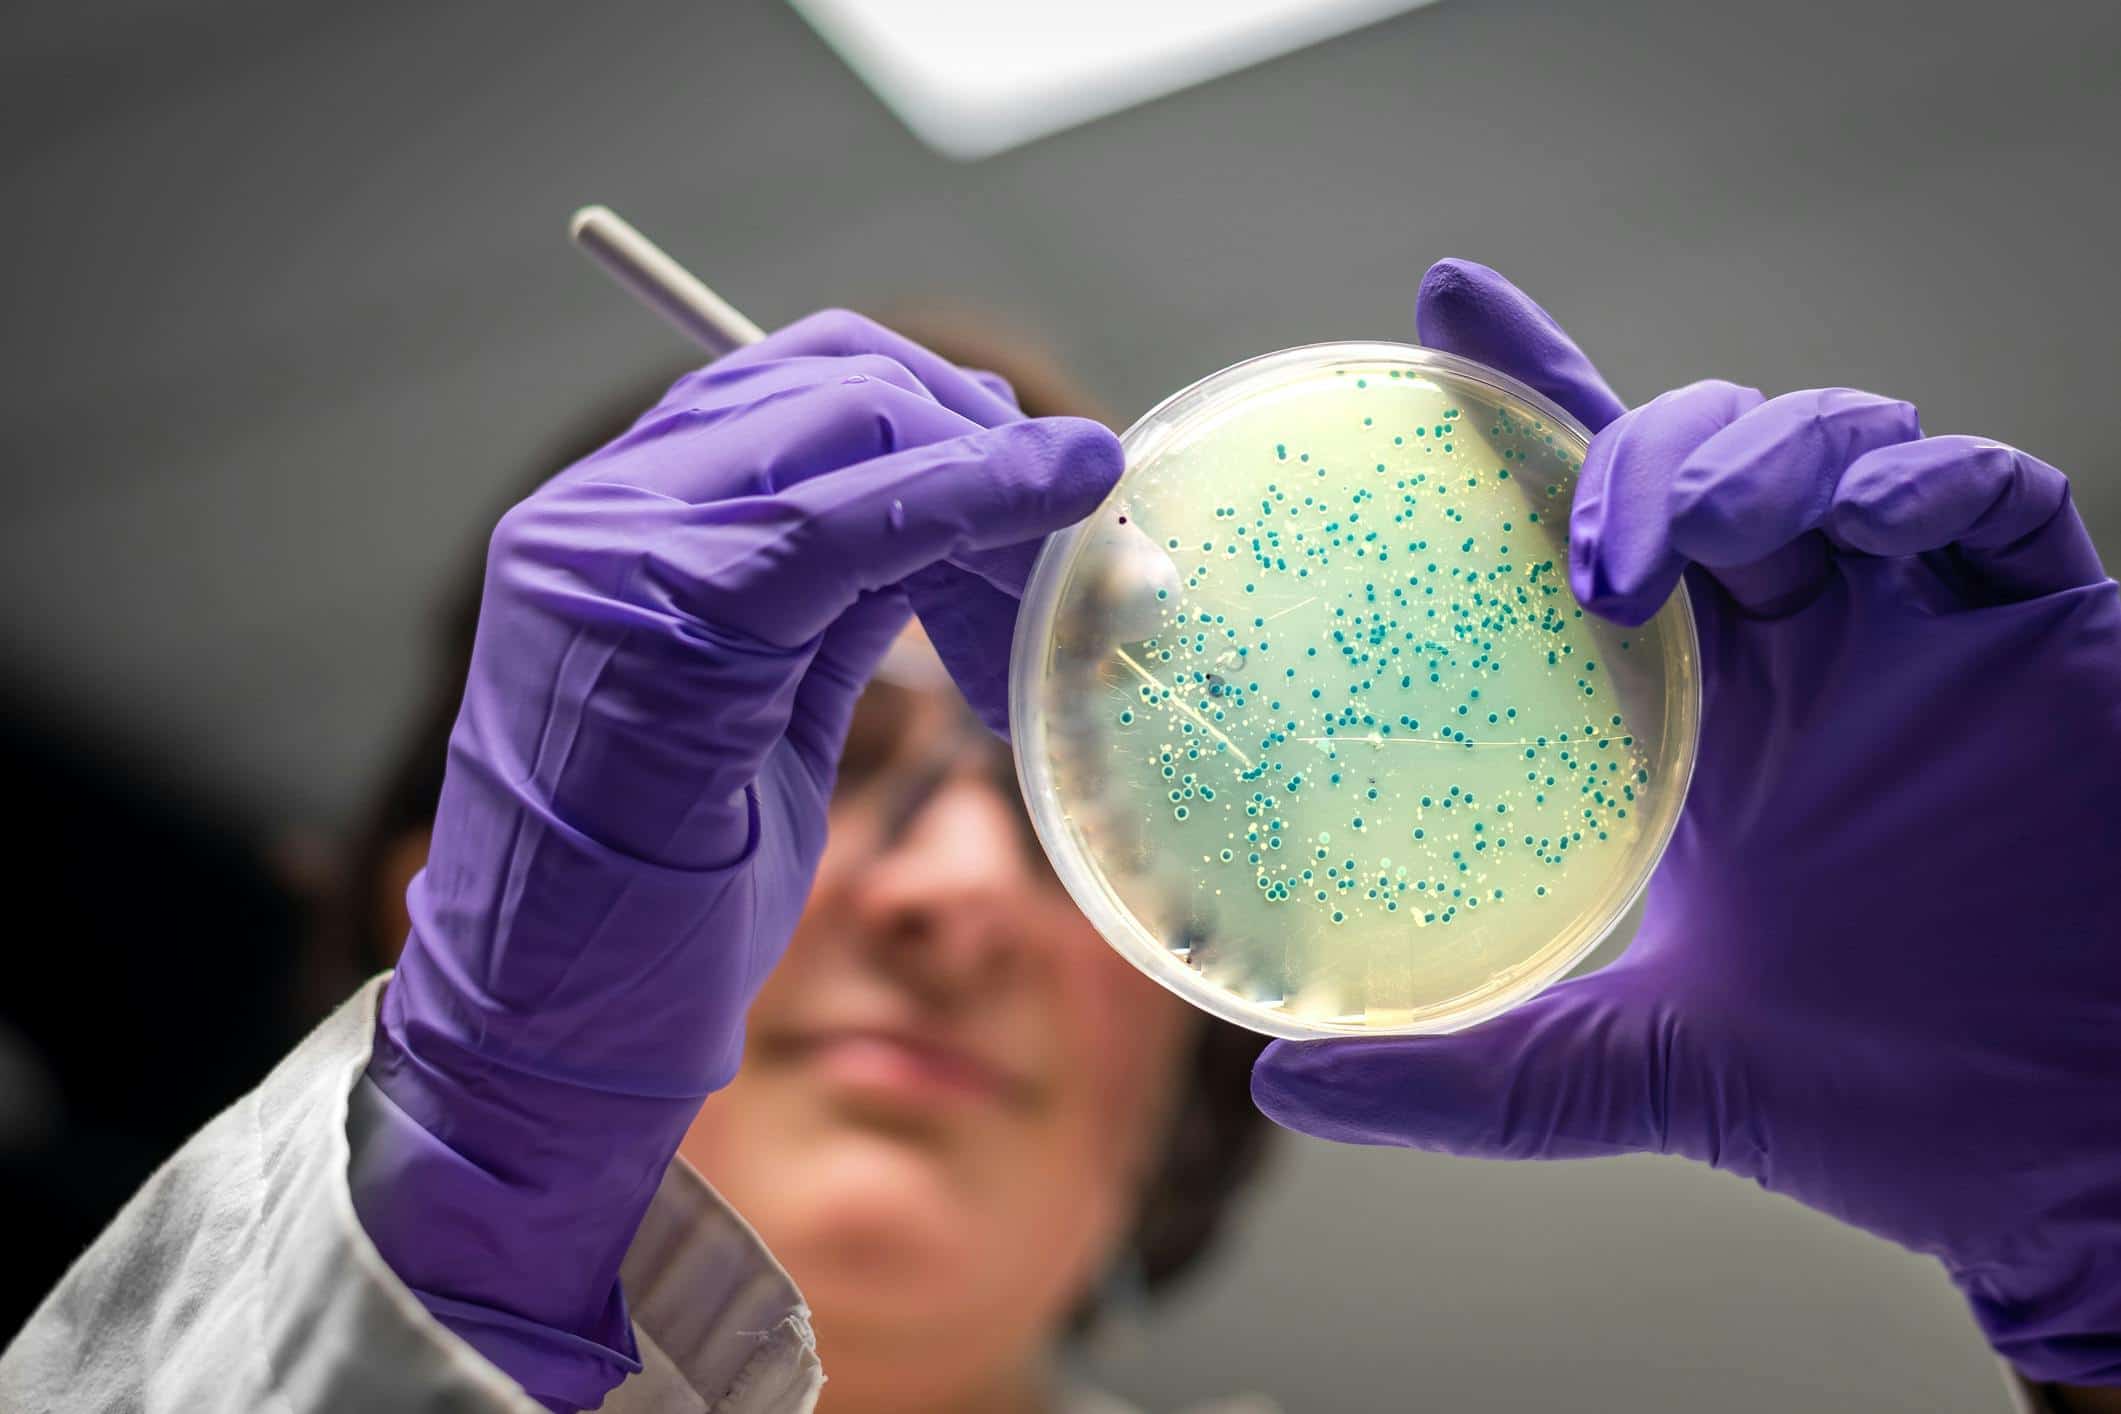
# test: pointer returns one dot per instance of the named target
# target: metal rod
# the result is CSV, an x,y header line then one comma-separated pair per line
x,y
659,282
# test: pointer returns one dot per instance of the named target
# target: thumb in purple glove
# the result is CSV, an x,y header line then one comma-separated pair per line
x,y
1878,970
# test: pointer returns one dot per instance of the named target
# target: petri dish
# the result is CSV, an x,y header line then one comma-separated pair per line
x,y
1307,718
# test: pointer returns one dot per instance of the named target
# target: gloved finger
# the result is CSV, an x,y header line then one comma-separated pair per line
x,y
996,384
2008,515
1749,502
972,624
825,415
968,606
719,386
785,567
840,333
829,424
1472,311
1007,567
845,660
1622,562
1578,1072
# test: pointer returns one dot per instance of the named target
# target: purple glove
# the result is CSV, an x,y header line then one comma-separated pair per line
x,y
1881,966
671,642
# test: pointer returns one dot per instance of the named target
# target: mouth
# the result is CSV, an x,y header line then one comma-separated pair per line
x,y
904,1069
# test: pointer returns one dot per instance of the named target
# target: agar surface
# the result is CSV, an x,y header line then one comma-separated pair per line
x,y
1375,756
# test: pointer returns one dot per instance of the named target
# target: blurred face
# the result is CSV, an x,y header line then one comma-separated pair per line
x,y
952,1090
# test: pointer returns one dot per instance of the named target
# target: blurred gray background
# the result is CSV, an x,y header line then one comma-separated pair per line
x,y
289,308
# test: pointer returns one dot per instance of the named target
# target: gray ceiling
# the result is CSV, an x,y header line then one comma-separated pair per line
x,y
289,306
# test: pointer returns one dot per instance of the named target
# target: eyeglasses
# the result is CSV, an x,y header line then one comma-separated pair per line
x,y
905,744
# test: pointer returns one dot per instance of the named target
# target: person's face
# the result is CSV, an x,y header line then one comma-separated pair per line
x,y
952,1090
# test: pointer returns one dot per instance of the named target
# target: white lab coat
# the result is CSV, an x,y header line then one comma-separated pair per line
x,y
239,1278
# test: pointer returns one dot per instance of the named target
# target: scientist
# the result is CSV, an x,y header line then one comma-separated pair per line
x,y
1879,970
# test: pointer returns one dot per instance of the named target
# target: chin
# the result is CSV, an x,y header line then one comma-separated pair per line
x,y
872,1208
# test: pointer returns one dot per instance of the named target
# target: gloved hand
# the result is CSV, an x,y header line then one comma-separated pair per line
x,y
1880,970
672,638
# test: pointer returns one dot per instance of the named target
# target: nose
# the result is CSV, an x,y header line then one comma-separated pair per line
x,y
950,906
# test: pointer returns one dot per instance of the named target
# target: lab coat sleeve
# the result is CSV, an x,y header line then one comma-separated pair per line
x,y
239,1278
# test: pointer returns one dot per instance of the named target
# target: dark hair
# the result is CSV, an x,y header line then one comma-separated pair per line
x,y
1216,1138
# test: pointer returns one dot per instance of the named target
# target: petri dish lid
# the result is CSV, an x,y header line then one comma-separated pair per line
x,y
1307,718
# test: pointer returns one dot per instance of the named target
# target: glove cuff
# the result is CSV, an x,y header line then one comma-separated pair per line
x,y
2061,1325
525,1275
